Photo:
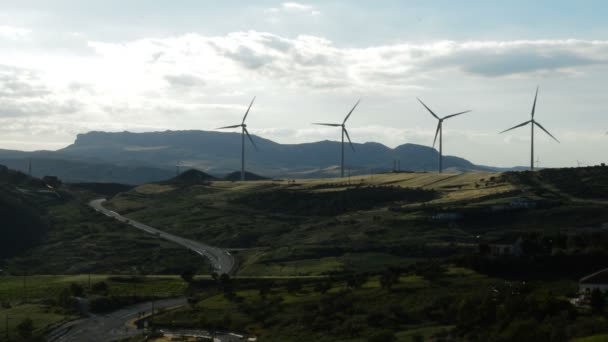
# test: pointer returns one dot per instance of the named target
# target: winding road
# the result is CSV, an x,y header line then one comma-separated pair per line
x,y
220,259
109,327
114,325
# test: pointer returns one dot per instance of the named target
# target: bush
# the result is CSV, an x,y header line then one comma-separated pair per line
x,y
382,336
25,328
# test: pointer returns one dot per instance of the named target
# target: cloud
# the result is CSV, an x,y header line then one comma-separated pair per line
x,y
184,81
13,33
200,81
294,8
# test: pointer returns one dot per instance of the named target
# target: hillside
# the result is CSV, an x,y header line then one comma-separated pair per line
x,y
390,218
54,231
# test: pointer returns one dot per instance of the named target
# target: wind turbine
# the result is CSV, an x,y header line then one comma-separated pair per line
x,y
440,131
344,131
532,123
244,132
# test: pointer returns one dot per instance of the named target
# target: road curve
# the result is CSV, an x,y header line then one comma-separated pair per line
x,y
220,259
109,327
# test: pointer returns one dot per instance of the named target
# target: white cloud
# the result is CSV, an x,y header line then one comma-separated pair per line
x,y
296,6
196,81
13,33
293,8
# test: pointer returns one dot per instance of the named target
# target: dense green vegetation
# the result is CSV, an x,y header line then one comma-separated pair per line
x,y
53,231
24,222
48,300
329,203
396,257
420,302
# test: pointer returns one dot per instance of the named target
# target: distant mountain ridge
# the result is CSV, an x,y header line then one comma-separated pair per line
x,y
153,156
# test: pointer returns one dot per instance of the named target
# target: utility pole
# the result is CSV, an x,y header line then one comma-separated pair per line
x,y
24,287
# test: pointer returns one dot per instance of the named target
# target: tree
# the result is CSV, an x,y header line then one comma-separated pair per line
x,y
188,275
382,336
25,328
294,285
265,288
597,301
76,290
100,288
388,279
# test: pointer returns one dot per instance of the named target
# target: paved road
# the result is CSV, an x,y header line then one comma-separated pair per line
x,y
222,260
112,326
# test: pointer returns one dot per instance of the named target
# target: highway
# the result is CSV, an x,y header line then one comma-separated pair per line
x,y
220,259
109,327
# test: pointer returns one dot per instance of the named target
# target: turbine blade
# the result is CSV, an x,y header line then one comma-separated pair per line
x,y
453,115
437,133
327,124
247,112
534,105
233,126
249,136
351,111
543,128
348,137
512,128
429,109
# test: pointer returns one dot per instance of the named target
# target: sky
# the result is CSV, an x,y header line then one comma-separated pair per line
x,y
69,67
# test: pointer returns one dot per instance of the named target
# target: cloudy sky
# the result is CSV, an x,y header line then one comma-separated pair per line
x,y
71,66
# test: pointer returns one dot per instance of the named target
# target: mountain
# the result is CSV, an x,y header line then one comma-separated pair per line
x,y
219,153
135,158
75,171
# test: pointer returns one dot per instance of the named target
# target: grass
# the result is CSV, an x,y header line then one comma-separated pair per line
x,y
596,338
44,317
47,287
426,332
296,242
289,319
81,240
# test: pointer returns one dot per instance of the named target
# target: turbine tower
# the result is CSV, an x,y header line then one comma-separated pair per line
x,y
532,123
440,131
344,131
244,132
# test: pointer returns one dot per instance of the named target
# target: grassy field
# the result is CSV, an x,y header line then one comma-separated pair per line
x,y
38,288
45,317
414,307
81,240
596,338
35,297
306,242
